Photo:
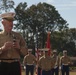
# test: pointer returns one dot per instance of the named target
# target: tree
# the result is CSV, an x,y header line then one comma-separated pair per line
x,y
6,5
64,40
71,41
38,19
20,17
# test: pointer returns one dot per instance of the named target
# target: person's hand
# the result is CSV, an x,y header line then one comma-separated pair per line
x,y
7,45
24,67
16,45
70,63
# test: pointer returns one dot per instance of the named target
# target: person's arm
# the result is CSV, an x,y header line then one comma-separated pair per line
x,y
58,61
35,59
6,46
52,62
39,67
24,61
1,50
70,61
23,47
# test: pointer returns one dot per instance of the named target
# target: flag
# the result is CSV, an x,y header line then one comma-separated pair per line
x,y
37,53
48,44
37,56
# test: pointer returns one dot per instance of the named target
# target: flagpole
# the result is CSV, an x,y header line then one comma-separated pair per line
x,y
37,52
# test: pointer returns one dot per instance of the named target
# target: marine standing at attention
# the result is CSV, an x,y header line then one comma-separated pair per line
x,y
29,62
65,62
45,64
12,45
56,61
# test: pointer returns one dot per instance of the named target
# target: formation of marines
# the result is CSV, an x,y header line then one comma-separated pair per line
x,y
50,65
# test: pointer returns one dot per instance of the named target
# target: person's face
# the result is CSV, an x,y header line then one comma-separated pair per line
x,y
54,53
65,53
46,53
8,25
41,52
30,52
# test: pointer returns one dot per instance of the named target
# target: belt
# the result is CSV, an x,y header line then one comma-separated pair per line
x,y
46,69
9,60
65,64
29,64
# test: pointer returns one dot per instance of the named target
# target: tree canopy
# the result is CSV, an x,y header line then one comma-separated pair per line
x,y
39,19
6,5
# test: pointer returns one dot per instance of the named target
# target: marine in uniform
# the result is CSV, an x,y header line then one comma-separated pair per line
x,y
41,53
12,45
29,62
65,62
45,64
56,60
